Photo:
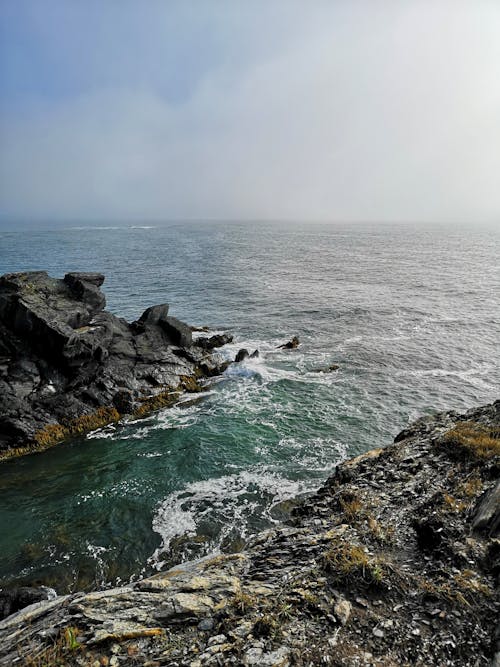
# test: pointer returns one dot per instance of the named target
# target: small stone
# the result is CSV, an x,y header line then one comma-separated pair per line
x,y
377,632
362,602
206,624
217,639
343,611
195,663
397,607
252,656
114,662
415,632
243,629
115,648
435,612
96,663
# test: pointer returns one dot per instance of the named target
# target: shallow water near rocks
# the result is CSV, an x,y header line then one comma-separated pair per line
x,y
411,318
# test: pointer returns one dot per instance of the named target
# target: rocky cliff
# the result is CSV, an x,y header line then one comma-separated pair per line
x,y
393,562
67,366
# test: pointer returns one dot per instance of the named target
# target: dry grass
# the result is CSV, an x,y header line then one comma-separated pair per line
x,y
473,440
352,508
350,563
451,504
470,488
58,653
242,602
462,589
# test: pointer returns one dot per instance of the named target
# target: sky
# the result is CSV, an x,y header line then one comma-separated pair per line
x,y
348,111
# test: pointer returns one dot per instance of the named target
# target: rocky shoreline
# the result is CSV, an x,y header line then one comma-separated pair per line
x,y
67,366
393,562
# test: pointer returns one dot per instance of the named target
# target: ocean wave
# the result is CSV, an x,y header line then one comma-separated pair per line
x,y
216,507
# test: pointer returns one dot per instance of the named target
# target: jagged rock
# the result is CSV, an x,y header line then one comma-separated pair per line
x,y
68,366
291,345
486,516
218,340
241,355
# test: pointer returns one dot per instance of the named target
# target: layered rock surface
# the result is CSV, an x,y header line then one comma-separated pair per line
x,y
67,365
393,562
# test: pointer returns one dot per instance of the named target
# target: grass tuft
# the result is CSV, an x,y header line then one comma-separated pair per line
x,y
473,441
350,563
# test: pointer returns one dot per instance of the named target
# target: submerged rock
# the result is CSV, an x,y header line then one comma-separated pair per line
x,y
67,366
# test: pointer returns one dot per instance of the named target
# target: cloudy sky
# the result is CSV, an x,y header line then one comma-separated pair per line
x,y
263,109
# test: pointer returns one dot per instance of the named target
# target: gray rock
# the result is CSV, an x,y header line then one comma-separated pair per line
x,y
63,357
241,355
486,516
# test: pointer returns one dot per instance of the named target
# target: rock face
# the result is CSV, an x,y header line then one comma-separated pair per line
x,y
67,365
346,582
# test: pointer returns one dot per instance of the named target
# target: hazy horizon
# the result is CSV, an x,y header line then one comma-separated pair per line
x,y
332,112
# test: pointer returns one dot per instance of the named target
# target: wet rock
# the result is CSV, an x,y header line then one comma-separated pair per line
x,y
327,369
291,345
218,340
241,355
255,354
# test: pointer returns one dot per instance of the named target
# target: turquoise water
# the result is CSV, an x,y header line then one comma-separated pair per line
x,y
411,317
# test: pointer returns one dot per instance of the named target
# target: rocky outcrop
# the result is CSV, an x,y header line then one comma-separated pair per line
x,y
348,581
68,366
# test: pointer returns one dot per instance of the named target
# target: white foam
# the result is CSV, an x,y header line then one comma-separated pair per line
x,y
230,502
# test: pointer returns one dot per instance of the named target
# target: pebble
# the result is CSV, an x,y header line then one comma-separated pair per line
x,y
377,632
114,662
343,611
216,639
252,656
206,624
415,632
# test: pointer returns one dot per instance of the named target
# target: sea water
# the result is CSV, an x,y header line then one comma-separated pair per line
x,y
411,317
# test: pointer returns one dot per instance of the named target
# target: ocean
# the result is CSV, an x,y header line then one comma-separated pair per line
x,y
411,316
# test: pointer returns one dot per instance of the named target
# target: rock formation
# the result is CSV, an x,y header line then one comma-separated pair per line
x,y
67,366
394,561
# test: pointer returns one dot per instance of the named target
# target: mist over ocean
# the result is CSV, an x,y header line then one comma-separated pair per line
x,y
411,317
